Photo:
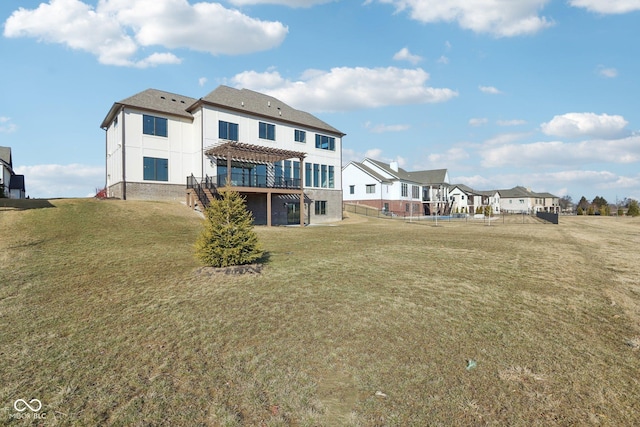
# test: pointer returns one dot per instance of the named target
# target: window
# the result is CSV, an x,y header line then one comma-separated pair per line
x,y
267,131
325,142
227,130
323,176
352,189
405,190
300,136
316,175
415,191
296,171
155,169
321,207
331,177
307,175
287,170
152,125
371,188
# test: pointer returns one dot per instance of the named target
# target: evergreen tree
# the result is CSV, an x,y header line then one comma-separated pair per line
x,y
633,209
228,237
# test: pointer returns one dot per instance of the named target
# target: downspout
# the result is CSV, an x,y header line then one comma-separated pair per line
x,y
202,158
124,163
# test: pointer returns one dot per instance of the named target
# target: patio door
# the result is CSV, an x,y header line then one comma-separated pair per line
x,y
293,213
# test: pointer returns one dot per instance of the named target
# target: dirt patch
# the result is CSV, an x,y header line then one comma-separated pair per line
x,y
235,269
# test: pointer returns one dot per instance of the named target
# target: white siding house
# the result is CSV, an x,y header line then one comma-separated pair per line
x,y
161,145
12,183
391,189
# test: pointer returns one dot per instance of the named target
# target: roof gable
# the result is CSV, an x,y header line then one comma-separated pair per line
x,y
5,156
153,100
263,105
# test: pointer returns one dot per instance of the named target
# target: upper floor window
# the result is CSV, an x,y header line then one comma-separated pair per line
x,y
371,188
352,189
325,142
405,190
300,136
152,125
267,131
227,130
415,191
155,169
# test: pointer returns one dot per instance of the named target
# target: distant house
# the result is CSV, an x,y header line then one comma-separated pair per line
x,y
391,189
285,162
12,184
464,199
523,200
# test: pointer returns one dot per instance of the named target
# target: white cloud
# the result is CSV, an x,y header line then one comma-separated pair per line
x,y
6,126
382,128
573,125
515,122
477,121
449,157
489,89
404,55
505,138
607,6
498,17
607,72
116,30
202,81
558,153
443,60
290,3
74,180
344,88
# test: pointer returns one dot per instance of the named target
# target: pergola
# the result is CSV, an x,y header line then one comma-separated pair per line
x,y
238,151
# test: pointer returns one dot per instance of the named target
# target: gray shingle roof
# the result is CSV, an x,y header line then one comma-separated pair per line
x,y
5,155
263,105
156,101
436,176
520,191
370,171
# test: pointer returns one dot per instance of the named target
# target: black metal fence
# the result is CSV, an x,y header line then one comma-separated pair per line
x,y
548,216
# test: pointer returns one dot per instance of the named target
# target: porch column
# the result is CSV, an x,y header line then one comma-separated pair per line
x,y
301,192
269,209
229,167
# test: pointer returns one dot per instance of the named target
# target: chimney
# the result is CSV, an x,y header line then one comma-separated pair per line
x,y
394,166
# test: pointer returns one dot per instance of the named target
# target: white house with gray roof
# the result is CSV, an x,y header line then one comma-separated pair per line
x,y
12,184
161,145
391,189
522,200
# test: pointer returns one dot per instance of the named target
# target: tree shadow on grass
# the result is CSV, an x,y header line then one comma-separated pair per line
x,y
24,204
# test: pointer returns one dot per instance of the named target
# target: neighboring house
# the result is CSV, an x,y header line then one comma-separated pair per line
x,y
523,200
391,189
464,199
161,145
12,184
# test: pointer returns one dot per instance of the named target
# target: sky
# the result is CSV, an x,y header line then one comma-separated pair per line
x,y
539,93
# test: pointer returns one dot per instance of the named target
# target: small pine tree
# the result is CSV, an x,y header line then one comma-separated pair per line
x,y
228,238
633,209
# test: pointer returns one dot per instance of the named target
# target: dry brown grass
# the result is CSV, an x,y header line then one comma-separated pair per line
x,y
366,323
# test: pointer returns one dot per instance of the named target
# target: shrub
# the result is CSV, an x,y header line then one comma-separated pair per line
x,y
228,237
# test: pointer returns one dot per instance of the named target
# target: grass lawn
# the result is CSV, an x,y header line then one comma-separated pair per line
x,y
370,322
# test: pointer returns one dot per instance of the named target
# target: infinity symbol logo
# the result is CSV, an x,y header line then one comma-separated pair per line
x,y
35,408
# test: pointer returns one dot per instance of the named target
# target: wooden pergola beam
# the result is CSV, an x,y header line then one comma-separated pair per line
x,y
252,153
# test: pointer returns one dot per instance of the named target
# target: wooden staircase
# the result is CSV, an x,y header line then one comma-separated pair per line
x,y
200,194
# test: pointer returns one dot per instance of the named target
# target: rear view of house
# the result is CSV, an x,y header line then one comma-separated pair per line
x,y
285,162
11,184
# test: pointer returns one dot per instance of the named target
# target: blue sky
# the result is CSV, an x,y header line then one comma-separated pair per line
x,y
538,93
